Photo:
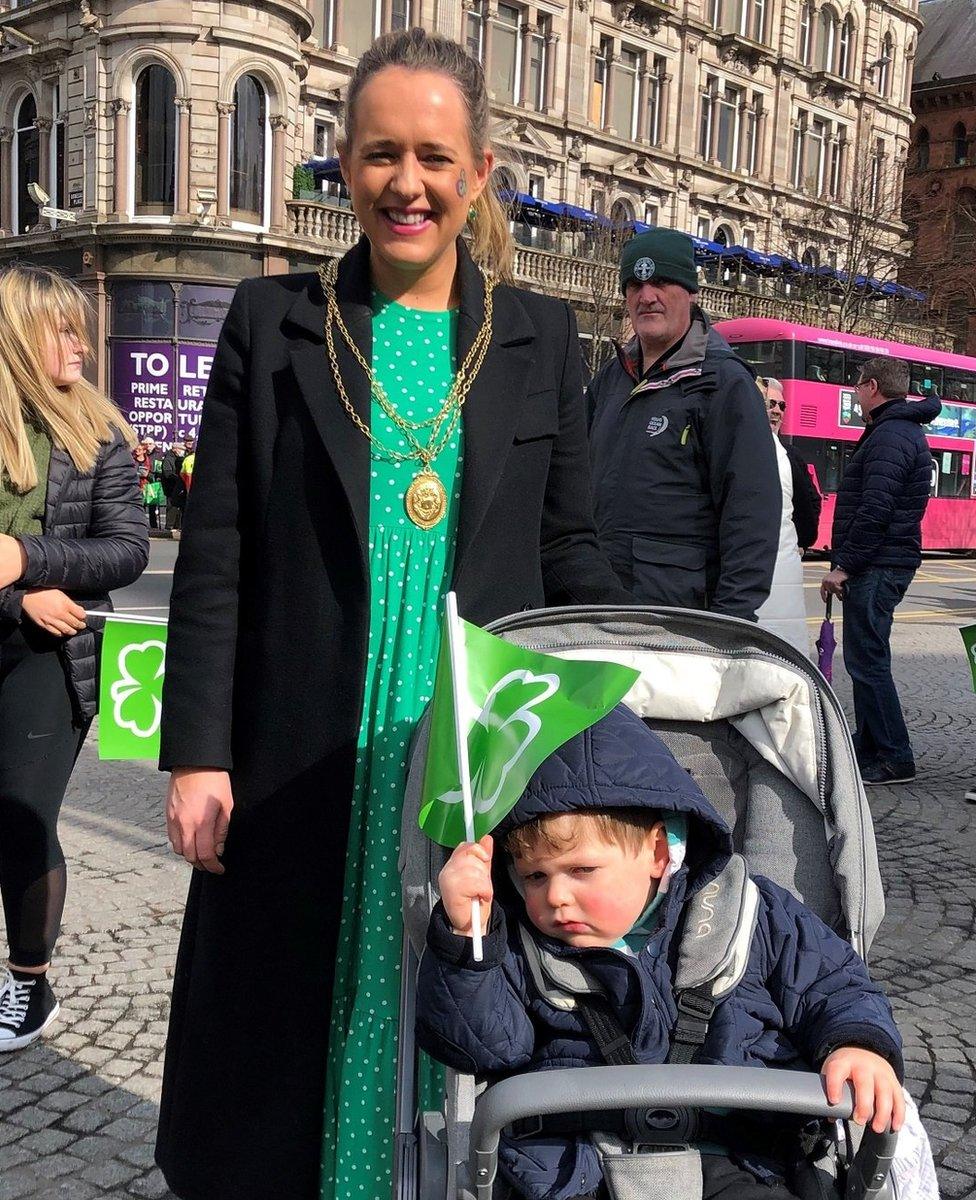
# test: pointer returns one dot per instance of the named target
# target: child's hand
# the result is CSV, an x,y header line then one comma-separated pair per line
x,y
466,876
877,1092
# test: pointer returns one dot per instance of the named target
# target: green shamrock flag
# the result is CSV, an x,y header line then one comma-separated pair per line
x,y
514,707
969,641
130,689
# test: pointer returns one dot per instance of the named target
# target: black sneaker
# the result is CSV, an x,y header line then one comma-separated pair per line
x,y
971,796
883,772
27,1008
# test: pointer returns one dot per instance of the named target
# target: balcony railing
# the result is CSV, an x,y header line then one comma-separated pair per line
x,y
581,280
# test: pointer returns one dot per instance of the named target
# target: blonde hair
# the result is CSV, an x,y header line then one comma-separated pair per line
x,y
35,304
418,50
624,827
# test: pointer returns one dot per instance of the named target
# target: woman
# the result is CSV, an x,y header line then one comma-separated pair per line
x,y
784,611
342,490
71,529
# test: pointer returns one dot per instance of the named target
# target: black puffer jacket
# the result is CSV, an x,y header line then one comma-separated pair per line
x,y
95,539
882,497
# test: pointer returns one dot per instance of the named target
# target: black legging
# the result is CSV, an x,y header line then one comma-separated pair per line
x,y
38,747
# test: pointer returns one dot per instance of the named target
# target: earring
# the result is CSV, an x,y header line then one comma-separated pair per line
x,y
472,213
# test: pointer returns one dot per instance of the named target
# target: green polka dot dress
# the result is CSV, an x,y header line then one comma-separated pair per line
x,y
410,570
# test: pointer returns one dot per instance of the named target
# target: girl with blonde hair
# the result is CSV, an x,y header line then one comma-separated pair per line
x,y
396,425
71,529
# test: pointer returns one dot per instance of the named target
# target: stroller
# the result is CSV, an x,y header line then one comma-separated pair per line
x,y
766,740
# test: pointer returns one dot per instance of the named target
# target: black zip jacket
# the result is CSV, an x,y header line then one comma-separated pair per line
x,y
686,487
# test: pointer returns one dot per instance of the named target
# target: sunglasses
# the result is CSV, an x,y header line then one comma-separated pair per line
x,y
780,404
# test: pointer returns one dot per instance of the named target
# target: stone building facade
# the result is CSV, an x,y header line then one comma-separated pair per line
x,y
170,130
940,182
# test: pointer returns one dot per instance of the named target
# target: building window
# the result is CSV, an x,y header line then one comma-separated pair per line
x,y
625,93
877,169
810,257
537,185
752,19
58,174
923,145
26,160
503,180
885,63
506,54
655,92
598,201
538,62
323,12
805,38
715,13
829,37
838,157
474,29
399,14
323,139
248,152
960,145
796,156
598,93
651,214
621,213
720,133
906,75
155,142
844,48
816,156
360,25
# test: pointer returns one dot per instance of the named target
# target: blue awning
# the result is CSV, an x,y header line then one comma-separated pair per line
x,y
324,168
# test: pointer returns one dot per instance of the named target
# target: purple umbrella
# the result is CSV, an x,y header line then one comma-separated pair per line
x,y
826,644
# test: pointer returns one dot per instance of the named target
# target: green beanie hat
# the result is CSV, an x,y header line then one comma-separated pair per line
x,y
659,254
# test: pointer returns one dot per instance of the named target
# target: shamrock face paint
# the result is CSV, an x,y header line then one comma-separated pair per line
x,y
462,183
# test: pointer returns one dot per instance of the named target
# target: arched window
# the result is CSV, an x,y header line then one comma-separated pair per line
x,y
960,145
805,35
26,161
810,257
621,212
724,236
885,63
829,34
248,156
503,180
845,52
155,142
923,145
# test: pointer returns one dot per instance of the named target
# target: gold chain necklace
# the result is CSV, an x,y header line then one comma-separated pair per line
x,y
426,497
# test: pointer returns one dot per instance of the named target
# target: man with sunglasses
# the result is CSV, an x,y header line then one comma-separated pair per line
x,y
876,548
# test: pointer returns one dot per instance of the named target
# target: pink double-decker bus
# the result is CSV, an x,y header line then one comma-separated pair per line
x,y
818,369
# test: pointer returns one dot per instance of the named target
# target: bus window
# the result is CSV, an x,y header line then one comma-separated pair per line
x,y
960,385
830,479
955,467
853,361
765,358
824,365
926,380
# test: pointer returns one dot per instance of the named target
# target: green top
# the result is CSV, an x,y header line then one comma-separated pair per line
x,y
414,355
23,513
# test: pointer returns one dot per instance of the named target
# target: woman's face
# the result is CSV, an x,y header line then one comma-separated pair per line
x,y
410,168
63,354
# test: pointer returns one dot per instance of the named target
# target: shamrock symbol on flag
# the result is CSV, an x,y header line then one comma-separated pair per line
x,y
136,692
502,733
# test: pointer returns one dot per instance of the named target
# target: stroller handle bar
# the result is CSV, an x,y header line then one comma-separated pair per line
x,y
582,1089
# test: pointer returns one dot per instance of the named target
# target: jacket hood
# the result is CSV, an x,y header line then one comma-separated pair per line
x,y
919,411
620,763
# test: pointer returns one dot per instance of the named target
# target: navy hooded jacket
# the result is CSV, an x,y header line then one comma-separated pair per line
x,y
805,991
882,497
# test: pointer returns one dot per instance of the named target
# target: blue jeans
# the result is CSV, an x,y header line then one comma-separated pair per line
x,y
870,600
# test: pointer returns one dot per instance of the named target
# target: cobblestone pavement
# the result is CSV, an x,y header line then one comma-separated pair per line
x,y
78,1111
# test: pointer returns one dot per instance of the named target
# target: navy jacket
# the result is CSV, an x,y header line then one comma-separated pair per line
x,y
805,991
95,539
686,487
882,497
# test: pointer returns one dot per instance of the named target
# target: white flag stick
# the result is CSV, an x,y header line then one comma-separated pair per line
x,y
455,645
131,617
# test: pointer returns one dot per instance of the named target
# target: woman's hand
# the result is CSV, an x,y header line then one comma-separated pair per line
x,y
13,560
877,1092
54,611
198,808
466,876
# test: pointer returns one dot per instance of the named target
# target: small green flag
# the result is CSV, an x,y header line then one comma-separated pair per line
x,y
130,689
969,641
515,707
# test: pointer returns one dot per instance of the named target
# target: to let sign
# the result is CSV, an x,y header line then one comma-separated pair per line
x,y
160,387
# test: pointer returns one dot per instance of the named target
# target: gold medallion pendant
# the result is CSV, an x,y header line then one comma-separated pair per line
x,y
426,500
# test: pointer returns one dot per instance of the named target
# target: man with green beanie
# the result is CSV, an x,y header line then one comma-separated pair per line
x,y
686,486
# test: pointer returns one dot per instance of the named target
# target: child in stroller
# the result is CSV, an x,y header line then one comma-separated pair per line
x,y
610,847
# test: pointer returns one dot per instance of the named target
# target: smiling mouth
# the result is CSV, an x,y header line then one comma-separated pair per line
x,y
404,218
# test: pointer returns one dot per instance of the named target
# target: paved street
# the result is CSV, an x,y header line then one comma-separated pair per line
x,y
77,1112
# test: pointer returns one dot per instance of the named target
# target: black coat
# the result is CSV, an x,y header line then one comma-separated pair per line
x,y
885,490
807,501
95,539
265,668
686,487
